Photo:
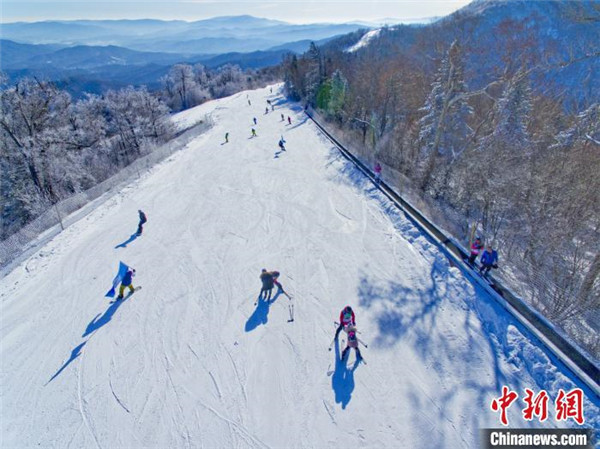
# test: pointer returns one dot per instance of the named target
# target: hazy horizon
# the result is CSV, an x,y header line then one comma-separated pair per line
x,y
296,12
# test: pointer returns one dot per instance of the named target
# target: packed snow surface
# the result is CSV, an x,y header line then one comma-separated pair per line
x,y
191,361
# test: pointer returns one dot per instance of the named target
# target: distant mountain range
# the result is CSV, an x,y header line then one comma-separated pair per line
x,y
211,36
94,55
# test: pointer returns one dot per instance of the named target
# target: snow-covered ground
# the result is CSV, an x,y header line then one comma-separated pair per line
x,y
364,41
191,361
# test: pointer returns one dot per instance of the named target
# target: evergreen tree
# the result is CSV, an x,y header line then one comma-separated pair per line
x,y
444,129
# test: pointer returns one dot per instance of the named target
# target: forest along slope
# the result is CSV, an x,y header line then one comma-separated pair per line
x,y
191,361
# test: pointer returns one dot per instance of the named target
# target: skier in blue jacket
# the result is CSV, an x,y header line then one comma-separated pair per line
x,y
127,282
489,260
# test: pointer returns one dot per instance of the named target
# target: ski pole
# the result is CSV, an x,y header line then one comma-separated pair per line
x,y
337,324
332,342
360,341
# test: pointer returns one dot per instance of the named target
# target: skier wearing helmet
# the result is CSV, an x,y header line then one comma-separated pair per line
x,y
346,319
352,343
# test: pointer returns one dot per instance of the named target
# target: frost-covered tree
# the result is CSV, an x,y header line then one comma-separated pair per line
x,y
444,129
502,158
134,116
180,87
315,72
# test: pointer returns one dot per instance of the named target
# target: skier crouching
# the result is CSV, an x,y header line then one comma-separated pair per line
x,y
352,343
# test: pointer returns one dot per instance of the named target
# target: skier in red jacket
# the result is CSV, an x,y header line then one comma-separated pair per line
x,y
346,319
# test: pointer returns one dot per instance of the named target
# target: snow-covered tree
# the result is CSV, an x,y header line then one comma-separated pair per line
x,y
444,129
502,158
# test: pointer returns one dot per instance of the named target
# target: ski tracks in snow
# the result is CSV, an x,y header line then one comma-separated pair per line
x,y
83,404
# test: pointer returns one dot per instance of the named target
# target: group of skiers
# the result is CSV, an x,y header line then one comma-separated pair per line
x,y
270,279
127,281
255,121
348,324
489,256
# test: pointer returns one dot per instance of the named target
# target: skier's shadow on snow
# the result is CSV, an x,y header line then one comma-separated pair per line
x,y
100,321
261,313
131,238
342,380
76,352
299,123
94,325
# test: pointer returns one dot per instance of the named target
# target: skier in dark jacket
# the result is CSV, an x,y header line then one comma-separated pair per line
x,y
143,220
270,279
127,282
267,279
489,260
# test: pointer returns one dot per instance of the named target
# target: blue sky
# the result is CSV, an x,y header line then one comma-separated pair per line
x,y
307,11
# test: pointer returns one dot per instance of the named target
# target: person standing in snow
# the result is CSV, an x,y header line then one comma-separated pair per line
x,y
226,137
127,282
282,144
377,172
476,247
267,279
282,118
352,342
266,110
489,260
253,132
254,120
347,318
143,220
289,120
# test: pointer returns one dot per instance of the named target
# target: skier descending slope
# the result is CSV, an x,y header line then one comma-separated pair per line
x,y
352,343
127,282
347,318
143,220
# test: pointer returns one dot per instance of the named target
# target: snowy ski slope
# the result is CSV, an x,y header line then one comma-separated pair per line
x,y
190,361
